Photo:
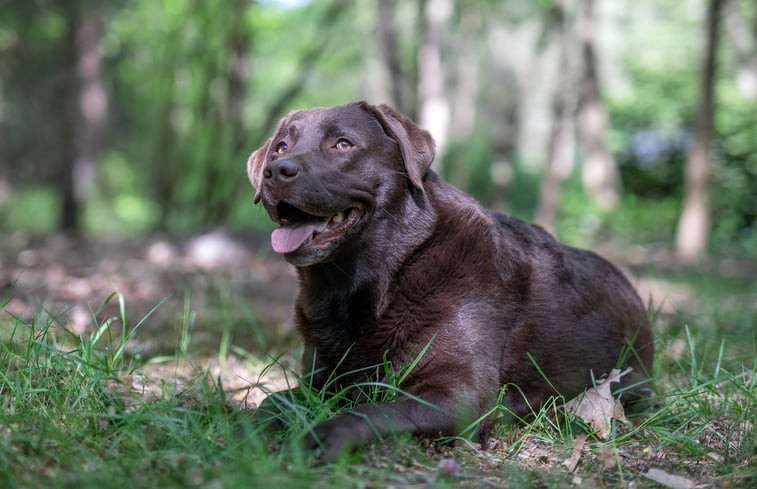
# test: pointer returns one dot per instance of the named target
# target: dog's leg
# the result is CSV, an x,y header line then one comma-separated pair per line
x,y
369,422
272,413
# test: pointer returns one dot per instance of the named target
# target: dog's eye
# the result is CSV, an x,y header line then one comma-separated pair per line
x,y
343,144
281,148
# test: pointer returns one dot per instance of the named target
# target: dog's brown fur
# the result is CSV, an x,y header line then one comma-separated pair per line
x,y
417,262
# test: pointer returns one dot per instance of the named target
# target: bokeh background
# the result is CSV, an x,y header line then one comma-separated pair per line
x,y
126,117
625,126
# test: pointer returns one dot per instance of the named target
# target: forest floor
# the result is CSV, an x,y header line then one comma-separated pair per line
x,y
223,301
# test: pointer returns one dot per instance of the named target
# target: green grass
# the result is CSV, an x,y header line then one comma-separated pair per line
x,y
72,415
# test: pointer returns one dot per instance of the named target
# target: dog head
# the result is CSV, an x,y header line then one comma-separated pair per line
x,y
325,172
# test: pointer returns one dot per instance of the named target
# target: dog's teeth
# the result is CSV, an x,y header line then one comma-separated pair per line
x,y
338,218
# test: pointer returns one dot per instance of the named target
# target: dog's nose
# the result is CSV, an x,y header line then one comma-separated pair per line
x,y
281,170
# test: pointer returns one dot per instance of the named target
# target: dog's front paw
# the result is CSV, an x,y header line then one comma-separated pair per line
x,y
328,440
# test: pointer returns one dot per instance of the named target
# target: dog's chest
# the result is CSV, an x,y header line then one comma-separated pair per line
x,y
350,332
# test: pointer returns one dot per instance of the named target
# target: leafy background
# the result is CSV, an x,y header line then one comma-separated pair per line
x,y
125,126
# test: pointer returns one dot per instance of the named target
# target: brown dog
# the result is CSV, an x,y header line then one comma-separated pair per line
x,y
391,260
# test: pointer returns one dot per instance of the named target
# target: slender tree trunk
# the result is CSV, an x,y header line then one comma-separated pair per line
x,y
467,72
562,134
464,107
5,188
746,48
238,75
434,106
237,79
599,174
230,134
93,104
67,120
694,224
83,106
387,34
165,178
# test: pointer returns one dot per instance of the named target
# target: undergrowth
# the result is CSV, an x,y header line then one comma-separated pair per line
x,y
71,416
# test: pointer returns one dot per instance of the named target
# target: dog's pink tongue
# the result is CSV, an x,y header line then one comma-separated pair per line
x,y
288,238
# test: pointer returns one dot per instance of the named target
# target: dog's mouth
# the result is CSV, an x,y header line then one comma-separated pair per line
x,y
303,232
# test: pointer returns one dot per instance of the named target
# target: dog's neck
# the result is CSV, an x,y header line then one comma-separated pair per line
x,y
363,271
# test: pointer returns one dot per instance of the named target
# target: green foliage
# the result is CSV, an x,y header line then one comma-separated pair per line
x,y
636,220
734,175
194,87
33,210
660,102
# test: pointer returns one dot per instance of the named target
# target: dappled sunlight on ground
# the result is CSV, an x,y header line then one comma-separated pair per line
x,y
245,381
227,299
209,283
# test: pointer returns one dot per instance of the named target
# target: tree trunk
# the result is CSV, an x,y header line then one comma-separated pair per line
x,y
83,106
230,133
599,174
238,76
387,34
466,89
5,188
434,107
93,104
694,224
746,49
562,134
67,119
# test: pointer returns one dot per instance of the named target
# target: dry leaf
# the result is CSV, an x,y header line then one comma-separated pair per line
x,y
596,406
669,480
572,462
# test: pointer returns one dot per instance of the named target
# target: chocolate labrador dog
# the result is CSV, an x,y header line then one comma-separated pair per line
x,y
398,268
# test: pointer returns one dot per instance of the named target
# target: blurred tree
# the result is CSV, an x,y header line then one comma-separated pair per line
x,y
388,38
189,88
205,107
5,188
745,44
561,149
466,89
92,110
307,60
434,106
67,91
82,102
600,175
694,224
54,128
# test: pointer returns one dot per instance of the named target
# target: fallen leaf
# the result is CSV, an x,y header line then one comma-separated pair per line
x,y
597,407
716,457
668,480
572,462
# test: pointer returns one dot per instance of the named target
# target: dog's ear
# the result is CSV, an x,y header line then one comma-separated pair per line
x,y
255,165
416,144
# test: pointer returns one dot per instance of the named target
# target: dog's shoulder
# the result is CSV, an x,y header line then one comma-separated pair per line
x,y
528,234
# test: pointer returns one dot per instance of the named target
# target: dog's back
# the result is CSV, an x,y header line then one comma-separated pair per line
x,y
583,318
